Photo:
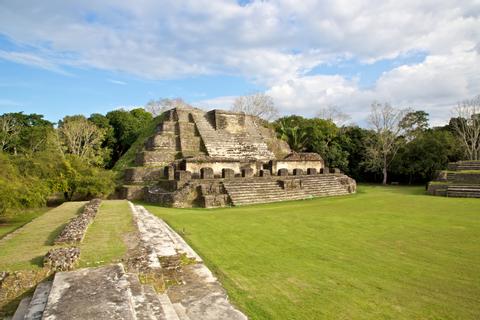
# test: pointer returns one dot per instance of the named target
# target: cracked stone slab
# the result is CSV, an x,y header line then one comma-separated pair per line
x,y
201,296
91,293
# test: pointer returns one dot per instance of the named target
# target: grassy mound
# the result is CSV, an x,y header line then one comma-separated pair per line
x,y
128,159
384,253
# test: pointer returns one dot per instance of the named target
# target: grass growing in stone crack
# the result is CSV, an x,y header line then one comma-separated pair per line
x,y
384,253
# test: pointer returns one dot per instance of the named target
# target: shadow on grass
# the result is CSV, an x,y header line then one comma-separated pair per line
x,y
37,261
53,235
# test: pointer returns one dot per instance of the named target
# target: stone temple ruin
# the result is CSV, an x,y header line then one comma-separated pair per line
x,y
220,158
461,179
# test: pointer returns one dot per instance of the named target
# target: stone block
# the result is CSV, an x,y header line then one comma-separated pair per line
x,y
335,170
183,176
206,173
265,173
283,172
311,171
228,173
325,170
297,172
247,172
169,173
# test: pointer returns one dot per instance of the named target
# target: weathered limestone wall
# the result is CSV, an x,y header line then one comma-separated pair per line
x,y
291,165
219,165
143,174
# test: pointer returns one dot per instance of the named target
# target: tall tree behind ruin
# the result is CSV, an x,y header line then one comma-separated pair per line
x,y
9,130
385,121
258,104
82,138
157,107
467,126
334,114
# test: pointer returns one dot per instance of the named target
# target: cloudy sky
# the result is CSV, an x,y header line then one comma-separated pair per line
x,y
65,57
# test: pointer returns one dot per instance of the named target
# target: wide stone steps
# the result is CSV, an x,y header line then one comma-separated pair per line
x,y
245,192
463,191
96,293
226,144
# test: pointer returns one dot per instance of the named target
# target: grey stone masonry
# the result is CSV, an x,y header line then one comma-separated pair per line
x,y
247,172
265,173
228,173
312,171
283,172
462,179
297,172
206,173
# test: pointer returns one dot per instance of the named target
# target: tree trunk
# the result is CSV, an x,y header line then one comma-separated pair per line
x,y
384,171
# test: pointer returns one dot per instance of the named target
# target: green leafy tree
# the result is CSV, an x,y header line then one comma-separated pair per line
x,y
81,137
127,126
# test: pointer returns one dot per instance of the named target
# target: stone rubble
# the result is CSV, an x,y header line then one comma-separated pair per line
x,y
75,230
61,259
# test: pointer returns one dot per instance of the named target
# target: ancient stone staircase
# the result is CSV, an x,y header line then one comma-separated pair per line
x,y
464,165
256,191
463,191
224,144
96,293
176,137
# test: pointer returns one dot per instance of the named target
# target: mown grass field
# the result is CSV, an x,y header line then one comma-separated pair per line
x,y
384,253
103,243
25,249
10,223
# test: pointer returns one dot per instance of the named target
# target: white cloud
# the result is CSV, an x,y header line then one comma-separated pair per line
x,y
274,44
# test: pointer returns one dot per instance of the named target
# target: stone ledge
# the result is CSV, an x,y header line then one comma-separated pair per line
x,y
75,230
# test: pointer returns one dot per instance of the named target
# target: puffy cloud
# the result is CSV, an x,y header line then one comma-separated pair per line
x,y
274,43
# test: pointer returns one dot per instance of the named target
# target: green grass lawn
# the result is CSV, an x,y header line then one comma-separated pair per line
x,y
104,241
26,248
11,223
384,253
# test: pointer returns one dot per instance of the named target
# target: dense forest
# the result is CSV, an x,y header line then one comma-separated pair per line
x,y
75,158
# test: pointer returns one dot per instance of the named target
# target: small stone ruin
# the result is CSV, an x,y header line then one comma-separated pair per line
x,y
220,158
461,179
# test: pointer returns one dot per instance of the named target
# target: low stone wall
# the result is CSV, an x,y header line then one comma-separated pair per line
x,y
75,230
61,259
464,178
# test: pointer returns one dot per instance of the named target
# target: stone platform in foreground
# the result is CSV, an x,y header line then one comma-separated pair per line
x,y
109,292
462,179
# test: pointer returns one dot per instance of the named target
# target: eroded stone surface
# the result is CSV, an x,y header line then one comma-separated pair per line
x,y
200,295
92,293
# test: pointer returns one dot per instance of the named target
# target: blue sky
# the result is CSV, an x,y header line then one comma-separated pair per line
x,y
61,58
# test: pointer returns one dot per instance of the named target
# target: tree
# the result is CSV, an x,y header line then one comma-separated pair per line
x,y
334,114
127,126
157,107
385,122
9,130
258,104
467,126
413,123
82,138
292,130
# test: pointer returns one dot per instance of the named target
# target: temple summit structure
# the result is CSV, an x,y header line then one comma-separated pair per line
x,y
221,158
